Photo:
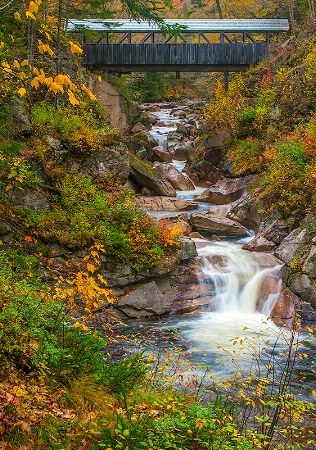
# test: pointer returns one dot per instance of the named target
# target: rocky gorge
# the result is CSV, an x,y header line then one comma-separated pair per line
x,y
222,206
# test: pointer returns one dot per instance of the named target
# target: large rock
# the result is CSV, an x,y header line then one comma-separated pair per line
x,y
225,191
162,154
259,244
301,285
219,225
27,199
276,231
147,176
188,249
298,252
145,301
119,275
246,212
206,161
289,250
161,203
176,178
181,218
104,162
182,150
20,117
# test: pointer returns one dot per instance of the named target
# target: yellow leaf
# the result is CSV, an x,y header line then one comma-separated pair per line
x,y
17,16
22,91
33,7
99,78
24,63
92,97
90,268
54,87
29,15
35,83
16,64
75,48
59,79
1,242
19,391
48,81
72,98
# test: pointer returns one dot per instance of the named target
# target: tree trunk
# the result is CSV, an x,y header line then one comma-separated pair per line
x,y
219,9
311,9
291,13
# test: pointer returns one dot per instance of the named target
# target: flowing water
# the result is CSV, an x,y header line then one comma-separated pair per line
x,y
236,331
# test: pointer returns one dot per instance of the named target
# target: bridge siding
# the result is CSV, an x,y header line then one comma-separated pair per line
x,y
175,54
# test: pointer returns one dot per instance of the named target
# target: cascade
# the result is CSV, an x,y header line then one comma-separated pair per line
x,y
237,280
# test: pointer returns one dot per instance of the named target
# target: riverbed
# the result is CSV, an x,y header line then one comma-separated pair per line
x,y
237,335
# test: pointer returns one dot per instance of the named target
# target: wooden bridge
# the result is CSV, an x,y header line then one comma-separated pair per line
x,y
198,45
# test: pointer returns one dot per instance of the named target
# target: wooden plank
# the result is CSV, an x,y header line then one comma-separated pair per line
x,y
174,54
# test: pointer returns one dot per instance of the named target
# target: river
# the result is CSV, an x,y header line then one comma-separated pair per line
x,y
237,335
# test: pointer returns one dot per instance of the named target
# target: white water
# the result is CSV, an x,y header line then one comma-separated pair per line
x,y
236,280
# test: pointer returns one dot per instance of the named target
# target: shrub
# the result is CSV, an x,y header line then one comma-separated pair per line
x,y
225,109
35,334
83,214
81,132
284,181
245,155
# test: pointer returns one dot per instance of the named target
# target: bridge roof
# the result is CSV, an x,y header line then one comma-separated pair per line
x,y
192,25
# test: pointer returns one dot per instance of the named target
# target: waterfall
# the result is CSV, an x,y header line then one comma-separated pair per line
x,y
236,277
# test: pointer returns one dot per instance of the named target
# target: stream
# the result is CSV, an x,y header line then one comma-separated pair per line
x,y
235,336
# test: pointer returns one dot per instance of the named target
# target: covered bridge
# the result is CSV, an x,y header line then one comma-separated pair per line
x,y
181,45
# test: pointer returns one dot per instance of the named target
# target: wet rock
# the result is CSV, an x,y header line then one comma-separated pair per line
x,y
176,178
246,212
195,235
276,231
182,150
225,191
162,154
207,159
188,249
145,301
285,308
162,203
149,177
219,225
188,298
259,244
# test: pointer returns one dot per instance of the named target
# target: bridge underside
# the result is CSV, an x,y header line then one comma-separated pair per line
x,y
169,68
127,58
